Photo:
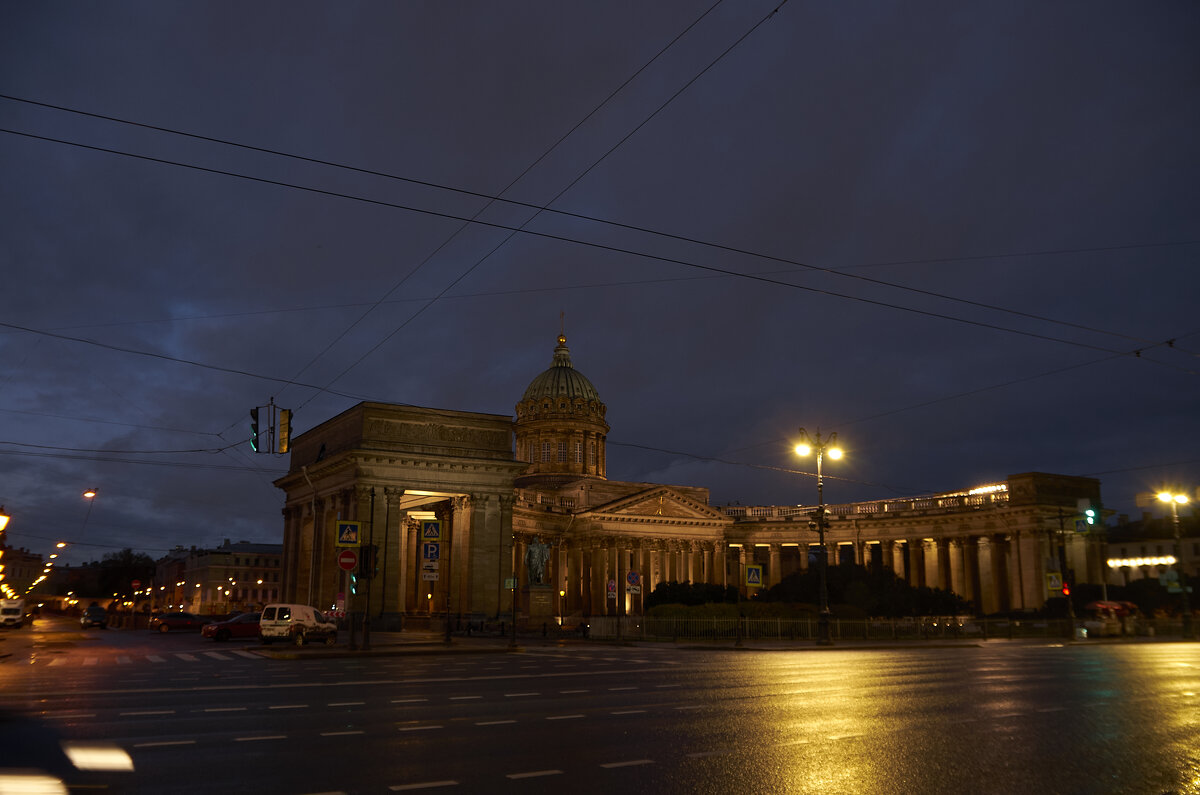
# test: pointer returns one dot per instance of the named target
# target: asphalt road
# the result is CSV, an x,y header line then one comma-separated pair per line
x,y
1004,717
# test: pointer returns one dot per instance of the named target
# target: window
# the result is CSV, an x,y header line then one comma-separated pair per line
x,y
545,452
579,452
562,452
591,454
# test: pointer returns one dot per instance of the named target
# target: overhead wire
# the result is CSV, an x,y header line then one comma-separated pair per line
x,y
601,246
546,208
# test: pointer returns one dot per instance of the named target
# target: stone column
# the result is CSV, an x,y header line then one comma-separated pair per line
x,y
899,553
775,564
930,550
989,601
957,572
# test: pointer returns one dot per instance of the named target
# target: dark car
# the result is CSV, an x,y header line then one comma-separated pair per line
x,y
240,626
173,622
94,616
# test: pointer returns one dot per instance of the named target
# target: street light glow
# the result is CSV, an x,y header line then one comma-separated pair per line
x,y
1166,496
803,449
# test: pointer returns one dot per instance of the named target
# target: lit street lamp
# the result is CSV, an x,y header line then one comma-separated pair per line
x,y
1175,500
807,446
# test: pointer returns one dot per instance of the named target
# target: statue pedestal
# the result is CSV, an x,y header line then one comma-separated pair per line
x,y
540,601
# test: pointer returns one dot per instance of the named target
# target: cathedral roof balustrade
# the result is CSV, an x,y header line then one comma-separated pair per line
x,y
946,503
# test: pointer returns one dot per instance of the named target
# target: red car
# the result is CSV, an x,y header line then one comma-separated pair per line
x,y
169,622
243,626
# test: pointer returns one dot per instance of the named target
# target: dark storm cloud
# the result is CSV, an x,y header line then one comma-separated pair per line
x,y
1023,157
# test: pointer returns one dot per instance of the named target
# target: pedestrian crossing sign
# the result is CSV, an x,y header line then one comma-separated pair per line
x,y
754,575
1054,581
347,534
431,530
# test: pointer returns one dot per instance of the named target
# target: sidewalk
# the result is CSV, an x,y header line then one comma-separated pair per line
x,y
412,642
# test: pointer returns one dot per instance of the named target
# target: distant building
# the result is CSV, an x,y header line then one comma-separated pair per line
x,y
1139,549
241,576
19,569
467,510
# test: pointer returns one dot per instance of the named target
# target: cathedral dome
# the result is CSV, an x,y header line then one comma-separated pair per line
x,y
560,428
561,380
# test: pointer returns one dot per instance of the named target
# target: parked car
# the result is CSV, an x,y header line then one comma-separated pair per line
x,y
172,622
244,625
94,616
296,624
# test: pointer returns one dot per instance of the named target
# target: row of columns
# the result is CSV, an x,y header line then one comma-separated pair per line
x,y
472,564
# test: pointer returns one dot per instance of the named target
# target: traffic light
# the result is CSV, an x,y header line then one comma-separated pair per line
x,y
1066,589
366,561
254,429
353,582
285,429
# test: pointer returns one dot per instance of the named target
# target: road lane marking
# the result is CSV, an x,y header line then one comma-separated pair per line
x,y
1052,709
534,774
346,704
289,706
520,695
660,686
417,728
216,655
341,733
563,717
571,692
408,700
493,722
188,657
690,706
164,743
423,785
627,687
628,712
225,709
264,737
155,658
147,712
464,698
630,763
402,788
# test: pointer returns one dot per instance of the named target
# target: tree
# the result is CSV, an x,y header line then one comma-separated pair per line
x,y
119,569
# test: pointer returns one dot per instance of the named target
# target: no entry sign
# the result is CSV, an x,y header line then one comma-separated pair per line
x,y
347,559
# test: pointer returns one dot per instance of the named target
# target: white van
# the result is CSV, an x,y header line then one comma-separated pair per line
x,y
295,624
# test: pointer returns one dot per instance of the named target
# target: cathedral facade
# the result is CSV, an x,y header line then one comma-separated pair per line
x,y
484,516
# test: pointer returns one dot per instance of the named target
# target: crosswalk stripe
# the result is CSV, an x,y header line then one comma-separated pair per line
x,y
123,660
155,658
90,660
58,661
188,657
216,655
247,654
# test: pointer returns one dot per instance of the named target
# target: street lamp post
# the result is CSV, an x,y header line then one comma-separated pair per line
x,y
1175,500
807,446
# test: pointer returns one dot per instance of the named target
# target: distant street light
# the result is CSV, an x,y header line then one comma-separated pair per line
x,y
90,496
806,447
1175,500
3,519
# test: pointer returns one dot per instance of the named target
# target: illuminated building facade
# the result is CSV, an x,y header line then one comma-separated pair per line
x,y
498,491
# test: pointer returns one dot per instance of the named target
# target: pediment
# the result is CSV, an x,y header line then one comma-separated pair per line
x,y
657,503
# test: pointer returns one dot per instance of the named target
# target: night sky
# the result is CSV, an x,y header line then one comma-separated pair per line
x,y
961,235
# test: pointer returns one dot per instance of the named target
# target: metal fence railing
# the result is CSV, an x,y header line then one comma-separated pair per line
x,y
805,629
